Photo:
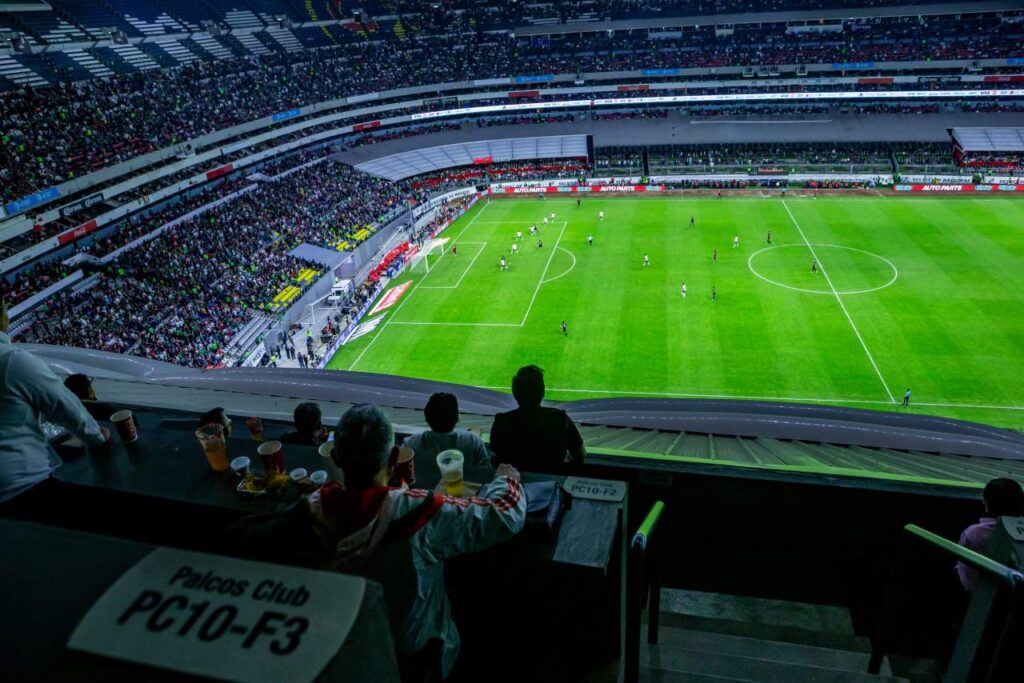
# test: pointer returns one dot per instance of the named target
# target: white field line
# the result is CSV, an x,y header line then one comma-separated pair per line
x,y
410,322
409,296
669,394
566,272
842,305
483,245
544,274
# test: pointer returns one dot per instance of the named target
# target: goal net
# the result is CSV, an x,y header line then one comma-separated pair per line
x,y
427,256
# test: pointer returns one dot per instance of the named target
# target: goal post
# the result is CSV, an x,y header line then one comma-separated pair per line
x,y
427,256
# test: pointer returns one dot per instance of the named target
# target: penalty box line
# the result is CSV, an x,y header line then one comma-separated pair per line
x,y
402,304
483,245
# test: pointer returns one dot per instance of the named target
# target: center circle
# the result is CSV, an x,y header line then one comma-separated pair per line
x,y
851,270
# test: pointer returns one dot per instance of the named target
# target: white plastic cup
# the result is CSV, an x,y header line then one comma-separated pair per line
x,y
298,474
451,463
319,477
334,472
241,465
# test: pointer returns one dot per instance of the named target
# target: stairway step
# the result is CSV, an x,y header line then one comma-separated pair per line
x,y
774,632
662,676
758,611
747,668
758,648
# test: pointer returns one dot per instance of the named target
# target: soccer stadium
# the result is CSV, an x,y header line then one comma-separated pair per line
x,y
639,340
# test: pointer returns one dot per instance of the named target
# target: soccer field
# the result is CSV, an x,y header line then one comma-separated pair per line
x,y
926,293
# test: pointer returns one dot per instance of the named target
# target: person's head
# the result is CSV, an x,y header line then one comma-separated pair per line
x,y
81,386
364,446
5,322
528,386
307,419
442,412
217,416
1004,498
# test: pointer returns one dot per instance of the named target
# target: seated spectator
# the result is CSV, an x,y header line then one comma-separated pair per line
x,y
29,390
81,386
365,515
309,430
217,416
442,414
534,437
1001,498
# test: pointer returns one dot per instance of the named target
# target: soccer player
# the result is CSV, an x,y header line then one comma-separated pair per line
x,y
519,234
647,261
814,265
455,250
577,203
545,220
540,244
515,248
600,215
565,329
769,237
693,221
714,293
683,290
714,255
533,230
552,215
590,240
735,241
906,397
503,265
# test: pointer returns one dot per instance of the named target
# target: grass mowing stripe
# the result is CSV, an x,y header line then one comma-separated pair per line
x,y
840,300
395,312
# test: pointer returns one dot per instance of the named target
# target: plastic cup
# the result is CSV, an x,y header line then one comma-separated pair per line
x,y
241,466
124,422
451,462
255,426
405,468
298,474
273,456
335,472
211,437
319,478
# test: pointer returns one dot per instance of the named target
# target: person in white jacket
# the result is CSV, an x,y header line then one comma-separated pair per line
x,y
367,514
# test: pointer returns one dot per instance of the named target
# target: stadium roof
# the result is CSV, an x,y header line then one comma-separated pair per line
x,y
989,139
417,161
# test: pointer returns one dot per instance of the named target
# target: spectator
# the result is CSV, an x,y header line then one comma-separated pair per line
x,y
366,515
1001,498
534,437
309,429
81,386
442,414
216,416
30,391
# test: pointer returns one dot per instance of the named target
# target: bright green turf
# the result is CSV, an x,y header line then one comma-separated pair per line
x,y
951,326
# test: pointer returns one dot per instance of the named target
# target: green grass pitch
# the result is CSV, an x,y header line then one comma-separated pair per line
x,y
926,293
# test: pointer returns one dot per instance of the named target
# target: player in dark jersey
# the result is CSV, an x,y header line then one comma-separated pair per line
x,y
693,222
714,294
814,265
565,329
769,237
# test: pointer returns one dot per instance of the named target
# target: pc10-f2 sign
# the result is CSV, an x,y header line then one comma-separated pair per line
x,y
223,618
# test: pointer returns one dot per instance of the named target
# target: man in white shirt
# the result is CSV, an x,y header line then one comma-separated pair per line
x,y
442,414
29,390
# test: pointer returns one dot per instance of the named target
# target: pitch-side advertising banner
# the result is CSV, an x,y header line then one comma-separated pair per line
x,y
959,188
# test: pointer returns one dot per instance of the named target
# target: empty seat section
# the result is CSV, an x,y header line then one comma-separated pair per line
x,y
146,17
93,17
50,28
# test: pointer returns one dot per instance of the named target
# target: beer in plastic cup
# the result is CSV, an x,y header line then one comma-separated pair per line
x,y
124,422
255,426
273,456
405,468
212,439
336,473
450,462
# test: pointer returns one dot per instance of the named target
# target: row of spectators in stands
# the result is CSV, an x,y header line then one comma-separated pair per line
x,y
52,134
181,296
502,172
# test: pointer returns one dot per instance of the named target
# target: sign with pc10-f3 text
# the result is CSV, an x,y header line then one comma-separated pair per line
x,y
223,618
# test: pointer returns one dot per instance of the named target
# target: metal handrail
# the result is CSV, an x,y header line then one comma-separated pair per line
x,y
642,584
994,571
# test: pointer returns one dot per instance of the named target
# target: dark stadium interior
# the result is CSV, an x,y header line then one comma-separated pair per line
x,y
201,205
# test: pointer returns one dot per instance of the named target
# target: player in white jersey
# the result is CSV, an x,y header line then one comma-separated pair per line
x,y
590,240
600,215
683,290
545,220
552,215
504,266
533,230
735,241
647,261
519,234
515,248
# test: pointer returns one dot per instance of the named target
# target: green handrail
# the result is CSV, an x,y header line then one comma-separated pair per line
x,y
651,521
967,556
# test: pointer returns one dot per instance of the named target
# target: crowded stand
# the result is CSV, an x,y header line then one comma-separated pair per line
x,y
122,116
234,258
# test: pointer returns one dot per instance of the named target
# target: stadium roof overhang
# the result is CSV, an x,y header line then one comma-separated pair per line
x,y
989,139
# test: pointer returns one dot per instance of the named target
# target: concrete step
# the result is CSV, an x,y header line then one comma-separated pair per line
x,y
661,676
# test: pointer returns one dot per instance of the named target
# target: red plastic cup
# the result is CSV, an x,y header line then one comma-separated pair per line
x,y
405,468
273,456
124,422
